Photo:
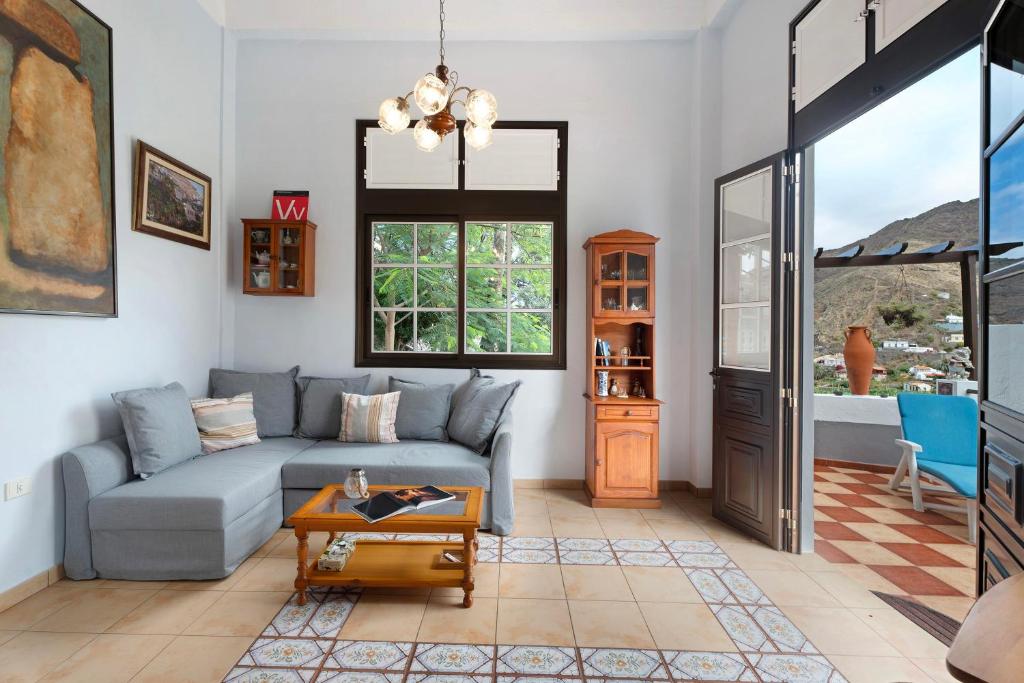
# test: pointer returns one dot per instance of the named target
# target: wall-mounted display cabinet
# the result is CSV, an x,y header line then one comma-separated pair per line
x,y
280,257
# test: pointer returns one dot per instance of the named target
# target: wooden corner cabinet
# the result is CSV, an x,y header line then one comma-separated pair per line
x,y
622,407
280,257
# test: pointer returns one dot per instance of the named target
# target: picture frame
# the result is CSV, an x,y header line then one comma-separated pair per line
x,y
58,167
172,199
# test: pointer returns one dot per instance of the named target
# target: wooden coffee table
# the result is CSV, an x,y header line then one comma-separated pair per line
x,y
404,562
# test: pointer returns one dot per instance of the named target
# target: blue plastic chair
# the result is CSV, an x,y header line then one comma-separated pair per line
x,y
940,438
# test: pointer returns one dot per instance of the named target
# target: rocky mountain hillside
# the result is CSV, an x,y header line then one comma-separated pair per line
x,y
853,296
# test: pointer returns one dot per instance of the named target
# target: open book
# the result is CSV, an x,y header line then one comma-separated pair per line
x,y
390,503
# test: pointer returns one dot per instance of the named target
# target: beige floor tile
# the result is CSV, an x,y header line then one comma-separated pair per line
x,y
848,591
38,606
245,613
618,515
288,547
194,659
960,578
887,516
869,578
576,527
823,500
269,574
838,477
385,617
956,608
133,585
628,529
838,631
167,612
962,553
685,627
858,669
869,552
660,584
809,562
447,621
820,516
565,496
723,533
757,556
675,530
485,583
668,510
275,540
829,487
878,532
111,658
532,506
542,581
7,635
533,622
891,501
95,611
910,640
791,588
609,624
583,582
29,656
936,668
532,525
227,583
954,530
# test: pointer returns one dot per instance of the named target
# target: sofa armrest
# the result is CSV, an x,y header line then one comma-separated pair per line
x,y
502,507
89,471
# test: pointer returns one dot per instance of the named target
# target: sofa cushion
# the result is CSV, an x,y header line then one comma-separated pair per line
x,y
159,426
477,408
207,493
225,423
369,419
273,393
422,409
407,462
320,404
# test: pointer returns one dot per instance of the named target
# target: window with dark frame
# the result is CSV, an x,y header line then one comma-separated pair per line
x,y
461,278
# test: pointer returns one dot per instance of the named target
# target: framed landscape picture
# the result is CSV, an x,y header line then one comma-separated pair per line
x,y
57,252
172,200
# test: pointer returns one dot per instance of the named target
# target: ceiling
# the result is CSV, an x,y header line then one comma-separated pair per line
x,y
472,19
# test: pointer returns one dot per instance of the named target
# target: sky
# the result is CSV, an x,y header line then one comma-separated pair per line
x,y
913,152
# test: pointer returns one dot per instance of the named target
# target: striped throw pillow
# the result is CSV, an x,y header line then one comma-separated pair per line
x,y
225,422
369,419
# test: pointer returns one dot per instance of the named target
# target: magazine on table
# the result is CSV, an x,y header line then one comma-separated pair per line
x,y
390,503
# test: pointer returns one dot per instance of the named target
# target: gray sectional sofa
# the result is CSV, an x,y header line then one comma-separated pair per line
x,y
199,519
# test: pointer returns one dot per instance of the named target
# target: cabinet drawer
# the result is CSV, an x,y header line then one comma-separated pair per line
x,y
1003,483
997,562
642,413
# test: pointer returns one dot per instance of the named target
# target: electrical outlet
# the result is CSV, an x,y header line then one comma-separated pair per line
x,y
17,488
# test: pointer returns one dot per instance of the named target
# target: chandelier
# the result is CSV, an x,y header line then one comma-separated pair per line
x,y
434,95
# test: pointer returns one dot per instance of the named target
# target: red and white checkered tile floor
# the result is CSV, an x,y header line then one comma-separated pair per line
x,y
874,534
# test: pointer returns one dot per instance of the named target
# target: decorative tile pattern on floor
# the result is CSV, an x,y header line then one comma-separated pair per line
x,y
859,520
301,643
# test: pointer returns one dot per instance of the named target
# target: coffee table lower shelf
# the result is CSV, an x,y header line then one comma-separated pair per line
x,y
402,564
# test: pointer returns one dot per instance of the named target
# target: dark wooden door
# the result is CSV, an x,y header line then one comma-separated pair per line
x,y
746,487
1000,357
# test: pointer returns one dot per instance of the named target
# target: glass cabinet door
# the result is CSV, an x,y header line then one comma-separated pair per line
x,y
623,282
260,245
289,259
610,293
637,284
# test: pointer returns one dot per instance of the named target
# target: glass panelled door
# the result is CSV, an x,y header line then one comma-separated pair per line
x,y
745,459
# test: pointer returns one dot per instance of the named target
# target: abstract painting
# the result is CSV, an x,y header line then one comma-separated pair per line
x,y
57,251
172,200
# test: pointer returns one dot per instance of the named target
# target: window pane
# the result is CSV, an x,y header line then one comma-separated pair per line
x,y
531,243
392,287
746,337
746,272
485,332
531,288
437,287
611,266
1006,199
636,266
437,243
485,288
392,330
437,332
636,298
485,242
531,333
392,243
747,207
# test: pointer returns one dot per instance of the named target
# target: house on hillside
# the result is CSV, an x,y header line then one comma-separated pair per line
x,y
919,387
953,319
924,372
830,360
954,338
895,344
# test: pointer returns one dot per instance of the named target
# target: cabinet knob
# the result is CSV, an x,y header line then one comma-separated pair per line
x,y
628,413
598,463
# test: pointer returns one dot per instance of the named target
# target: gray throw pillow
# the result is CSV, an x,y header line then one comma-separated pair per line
x,y
422,409
273,396
320,404
160,428
477,409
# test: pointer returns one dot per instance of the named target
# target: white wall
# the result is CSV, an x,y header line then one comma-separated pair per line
x,y
628,106
58,372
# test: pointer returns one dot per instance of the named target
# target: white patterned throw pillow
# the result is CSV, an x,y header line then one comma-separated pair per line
x,y
225,422
369,419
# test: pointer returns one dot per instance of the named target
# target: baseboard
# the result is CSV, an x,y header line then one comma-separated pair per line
x,y
28,587
663,485
849,464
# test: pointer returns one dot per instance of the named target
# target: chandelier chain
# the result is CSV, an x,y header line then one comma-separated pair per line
x,y
442,30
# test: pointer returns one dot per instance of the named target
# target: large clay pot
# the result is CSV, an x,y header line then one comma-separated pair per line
x,y
859,354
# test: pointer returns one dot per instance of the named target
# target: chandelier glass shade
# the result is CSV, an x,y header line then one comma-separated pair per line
x,y
434,94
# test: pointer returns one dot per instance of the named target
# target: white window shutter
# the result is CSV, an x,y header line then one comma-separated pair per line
x,y
517,159
830,43
394,162
893,18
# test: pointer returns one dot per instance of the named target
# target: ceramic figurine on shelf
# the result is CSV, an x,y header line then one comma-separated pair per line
x,y
613,389
624,355
286,239
602,382
638,389
263,257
